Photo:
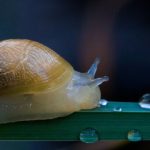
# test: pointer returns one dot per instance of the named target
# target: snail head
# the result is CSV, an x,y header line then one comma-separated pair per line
x,y
85,87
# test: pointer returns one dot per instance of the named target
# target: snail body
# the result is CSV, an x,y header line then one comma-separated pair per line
x,y
36,83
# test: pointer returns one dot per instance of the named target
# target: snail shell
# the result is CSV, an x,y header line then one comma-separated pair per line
x,y
36,83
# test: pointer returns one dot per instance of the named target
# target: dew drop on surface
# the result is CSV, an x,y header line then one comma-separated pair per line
x,y
145,101
134,136
89,135
117,109
103,102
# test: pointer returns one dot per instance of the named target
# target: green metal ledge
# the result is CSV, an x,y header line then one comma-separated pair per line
x,y
111,122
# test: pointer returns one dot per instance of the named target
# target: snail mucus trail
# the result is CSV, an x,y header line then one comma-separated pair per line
x,y
36,83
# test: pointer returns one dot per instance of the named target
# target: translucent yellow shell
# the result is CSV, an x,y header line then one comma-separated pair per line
x,y
27,67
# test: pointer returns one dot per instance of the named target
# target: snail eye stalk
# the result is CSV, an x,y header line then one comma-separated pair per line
x,y
92,71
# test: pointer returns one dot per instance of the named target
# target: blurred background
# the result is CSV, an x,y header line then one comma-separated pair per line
x,y
116,31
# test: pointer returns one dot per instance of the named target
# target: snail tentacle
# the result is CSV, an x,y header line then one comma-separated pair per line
x,y
98,81
92,71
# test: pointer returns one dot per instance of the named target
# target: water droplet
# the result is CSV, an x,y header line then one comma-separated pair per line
x,y
134,135
89,135
117,109
145,101
103,102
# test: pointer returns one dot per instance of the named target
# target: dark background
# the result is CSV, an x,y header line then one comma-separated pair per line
x,y
117,31
79,30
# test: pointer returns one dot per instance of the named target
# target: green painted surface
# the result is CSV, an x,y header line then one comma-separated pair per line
x,y
109,125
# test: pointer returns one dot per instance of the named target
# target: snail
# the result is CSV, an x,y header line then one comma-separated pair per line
x,y
36,83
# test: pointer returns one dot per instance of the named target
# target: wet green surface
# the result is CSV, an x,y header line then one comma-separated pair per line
x,y
109,124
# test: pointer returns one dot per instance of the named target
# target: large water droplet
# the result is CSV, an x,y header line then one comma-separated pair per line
x,y
89,135
134,135
117,109
103,102
145,101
